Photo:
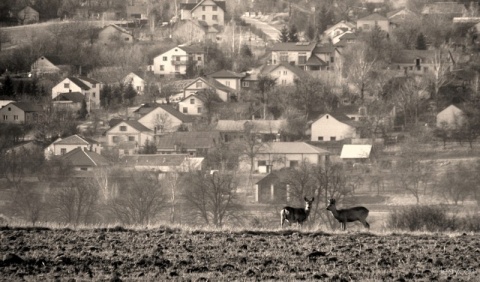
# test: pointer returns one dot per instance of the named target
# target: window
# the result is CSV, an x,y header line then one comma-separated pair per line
x,y
126,152
245,84
131,138
15,117
94,85
123,128
185,110
284,81
203,17
199,58
93,94
199,110
214,17
177,68
262,163
198,84
165,58
320,138
284,72
9,109
162,67
283,56
5,117
332,59
366,26
139,88
84,168
63,151
127,39
302,58
293,163
214,8
203,8
115,139
66,85
227,83
333,138
192,101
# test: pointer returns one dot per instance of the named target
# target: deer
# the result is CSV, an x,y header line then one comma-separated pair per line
x,y
348,215
296,215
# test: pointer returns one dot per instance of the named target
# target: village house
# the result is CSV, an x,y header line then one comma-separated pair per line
x,y
193,105
271,188
264,130
128,136
420,62
225,93
137,80
355,153
344,40
28,15
176,60
192,143
369,22
70,101
338,29
163,164
276,155
161,118
228,78
194,30
84,162
304,55
61,146
49,65
283,73
20,112
401,17
448,9
452,117
114,34
89,88
333,127
210,11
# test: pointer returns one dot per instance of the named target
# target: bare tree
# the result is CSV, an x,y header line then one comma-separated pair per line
x,y
141,198
442,67
212,197
163,123
27,203
456,184
407,98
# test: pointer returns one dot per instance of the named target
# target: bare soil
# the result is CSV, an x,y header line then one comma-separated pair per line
x,y
118,254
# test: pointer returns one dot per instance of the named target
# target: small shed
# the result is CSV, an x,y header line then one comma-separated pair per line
x,y
356,153
270,188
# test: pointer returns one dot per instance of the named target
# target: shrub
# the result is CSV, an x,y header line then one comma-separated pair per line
x,y
424,218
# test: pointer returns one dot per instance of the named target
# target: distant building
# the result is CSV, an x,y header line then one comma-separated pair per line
x,y
28,15
90,89
20,112
452,117
367,23
210,11
113,34
49,64
176,60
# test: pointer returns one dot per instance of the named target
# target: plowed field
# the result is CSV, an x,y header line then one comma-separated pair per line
x,y
117,254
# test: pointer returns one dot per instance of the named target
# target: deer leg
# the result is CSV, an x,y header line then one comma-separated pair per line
x,y
366,224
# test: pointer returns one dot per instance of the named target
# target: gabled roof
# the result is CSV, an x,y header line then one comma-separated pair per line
x,y
324,48
88,79
75,140
341,118
154,160
79,82
190,48
75,97
212,83
294,46
315,61
80,157
188,140
260,126
226,74
199,97
132,123
144,110
349,24
56,60
267,69
28,107
270,178
192,6
350,151
292,148
373,17
409,56
119,28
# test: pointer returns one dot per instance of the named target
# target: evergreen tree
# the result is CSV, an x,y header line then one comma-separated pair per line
x,y
129,95
310,32
293,34
325,19
8,87
421,44
83,112
245,51
106,96
283,34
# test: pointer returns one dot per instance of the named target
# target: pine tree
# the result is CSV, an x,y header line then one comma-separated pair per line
x,y
283,34
245,51
293,34
421,45
8,87
105,96
83,112
129,94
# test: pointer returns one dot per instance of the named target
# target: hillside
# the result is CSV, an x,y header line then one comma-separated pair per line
x,y
167,254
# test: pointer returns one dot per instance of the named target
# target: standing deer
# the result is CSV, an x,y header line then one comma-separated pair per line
x,y
348,215
297,215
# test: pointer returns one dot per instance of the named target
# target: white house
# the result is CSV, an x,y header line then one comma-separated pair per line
x,y
284,73
211,12
176,60
192,105
161,118
90,88
228,78
225,93
128,136
451,117
333,127
136,80
338,29
67,144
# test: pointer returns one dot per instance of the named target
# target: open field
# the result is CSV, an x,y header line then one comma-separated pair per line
x,y
181,254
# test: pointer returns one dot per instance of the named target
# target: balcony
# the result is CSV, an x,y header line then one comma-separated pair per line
x,y
179,63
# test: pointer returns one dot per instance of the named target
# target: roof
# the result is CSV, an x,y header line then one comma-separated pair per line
x,y
75,97
154,160
89,80
190,6
72,140
324,48
132,123
188,140
28,107
80,157
340,117
270,178
294,46
444,8
409,56
260,126
79,82
267,69
226,74
355,151
119,28
315,61
144,110
292,148
373,17
213,83
3,103
349,24
56,60
191,48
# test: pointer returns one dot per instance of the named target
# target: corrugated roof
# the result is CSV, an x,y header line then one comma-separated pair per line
x,y
294,46
355,151
188,140
80,157
75,97
292,148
